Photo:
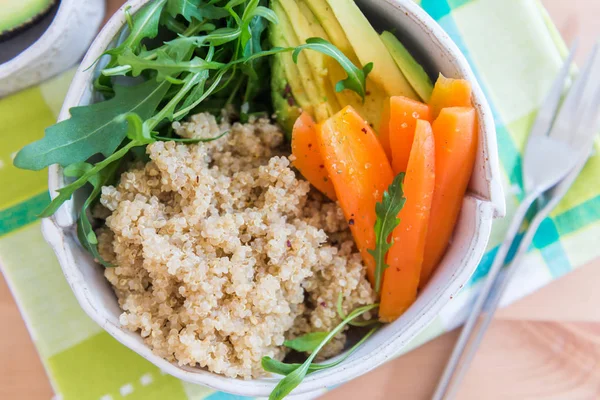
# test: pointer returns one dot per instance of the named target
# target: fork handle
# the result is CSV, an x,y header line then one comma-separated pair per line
x,y
455,369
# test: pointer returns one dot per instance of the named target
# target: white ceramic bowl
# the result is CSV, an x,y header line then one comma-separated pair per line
x,y
482,204
58,48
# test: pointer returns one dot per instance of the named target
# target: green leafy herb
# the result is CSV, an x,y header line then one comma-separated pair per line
x,y
295,377
85,233
357,78
387,220
198,9
191,140
144,25
163,64
307,342
138,137
278,367
97,128
342,314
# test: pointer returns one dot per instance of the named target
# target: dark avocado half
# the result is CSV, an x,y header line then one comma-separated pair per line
x,y
17,15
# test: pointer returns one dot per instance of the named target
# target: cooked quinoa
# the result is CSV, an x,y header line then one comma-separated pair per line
x,y
222,252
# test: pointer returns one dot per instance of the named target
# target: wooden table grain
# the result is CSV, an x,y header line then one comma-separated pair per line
x,y
545,346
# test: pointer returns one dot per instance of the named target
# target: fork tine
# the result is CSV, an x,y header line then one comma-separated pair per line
x,y
568,117
547,111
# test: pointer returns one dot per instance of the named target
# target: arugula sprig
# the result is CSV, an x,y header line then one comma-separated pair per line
x,y
387,220
281,368
357,77
85,232
295,373
342,315
94,129
138,137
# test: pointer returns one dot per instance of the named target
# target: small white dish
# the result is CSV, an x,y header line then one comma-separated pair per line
x,y
483,203
58,48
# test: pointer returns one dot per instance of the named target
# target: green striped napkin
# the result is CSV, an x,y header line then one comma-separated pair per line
x,y
515,52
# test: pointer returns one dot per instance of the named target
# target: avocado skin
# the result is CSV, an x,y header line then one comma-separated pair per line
x,y
284,104
9,28
412,70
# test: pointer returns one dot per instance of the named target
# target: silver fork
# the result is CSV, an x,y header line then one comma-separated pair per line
x,y
557,146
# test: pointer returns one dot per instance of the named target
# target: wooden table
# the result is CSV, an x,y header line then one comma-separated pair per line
x,y
546,346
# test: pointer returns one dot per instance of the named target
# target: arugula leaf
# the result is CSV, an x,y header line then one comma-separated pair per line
x,y
387,220
138,136
294,378
342,315
182,112
357,77
215,38
189,9
92,129
278,367
191,140
253,12
85,232
172,24
164,65
257,70
145,25
307,342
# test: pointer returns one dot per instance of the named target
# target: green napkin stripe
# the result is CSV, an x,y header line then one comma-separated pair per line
x,y
578,217
22,214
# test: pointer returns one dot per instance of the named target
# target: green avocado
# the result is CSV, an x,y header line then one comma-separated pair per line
x,y
286,110
369,47
16,15
326,103
412,70
332,31
302,76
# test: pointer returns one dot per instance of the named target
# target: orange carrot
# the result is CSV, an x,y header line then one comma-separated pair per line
x,y
360,173
455,132
384,129
404,113
449,92
308,156
405,257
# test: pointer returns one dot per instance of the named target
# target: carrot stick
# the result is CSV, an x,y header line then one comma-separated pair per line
x,y
308,156
360,173
405,257
404,113
449,92
455,132
384,129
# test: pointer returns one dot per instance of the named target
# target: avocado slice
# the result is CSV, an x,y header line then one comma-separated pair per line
x,y
17,15
305,29
310,64
285,36
285,71
412,70
335,72
284,103
369,47
374,100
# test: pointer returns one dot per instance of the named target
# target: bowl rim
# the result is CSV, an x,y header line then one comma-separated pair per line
x,y
58,227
